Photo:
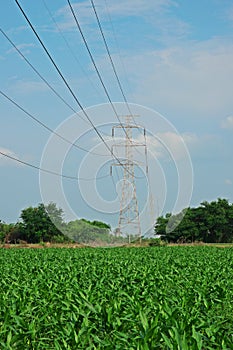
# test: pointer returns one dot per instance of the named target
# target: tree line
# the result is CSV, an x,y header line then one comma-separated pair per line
x,y
45,223
210,222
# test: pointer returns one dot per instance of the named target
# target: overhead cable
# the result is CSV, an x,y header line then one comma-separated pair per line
x,y
50,171
95,66
43,79
66,83
110,57
69,47
38,73
114,69
116,41
48,128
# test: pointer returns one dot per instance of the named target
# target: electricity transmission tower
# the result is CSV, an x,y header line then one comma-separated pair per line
x,y
129,220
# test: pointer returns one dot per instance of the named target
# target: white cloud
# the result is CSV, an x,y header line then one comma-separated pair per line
x,y
189,78
163,145
157,13
28,86
138,7
65,19
194,79
177,147
21,47
228,182
123,8
228,123
4,160
170,144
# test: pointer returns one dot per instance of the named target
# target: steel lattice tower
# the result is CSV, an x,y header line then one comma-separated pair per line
x,y
129,220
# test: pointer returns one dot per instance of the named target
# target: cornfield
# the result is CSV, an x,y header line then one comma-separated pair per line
x,y
116,298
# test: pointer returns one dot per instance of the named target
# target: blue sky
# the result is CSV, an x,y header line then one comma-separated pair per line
x,y
174,57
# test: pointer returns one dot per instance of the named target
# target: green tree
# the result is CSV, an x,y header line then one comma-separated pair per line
x,y
55,214
2,231
37,225
9,232
84,231
96,223
217,220
210,222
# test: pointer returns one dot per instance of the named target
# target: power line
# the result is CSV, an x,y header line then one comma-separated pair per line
x,y
48,128
116,41
69,47
38,73
144,134
50,171
64,80
41,77
94,64
114,70
110,57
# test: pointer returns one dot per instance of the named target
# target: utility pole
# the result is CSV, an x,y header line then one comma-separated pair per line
x,y
129,220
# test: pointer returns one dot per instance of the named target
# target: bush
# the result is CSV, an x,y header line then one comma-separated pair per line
x,y
61,239
156,242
